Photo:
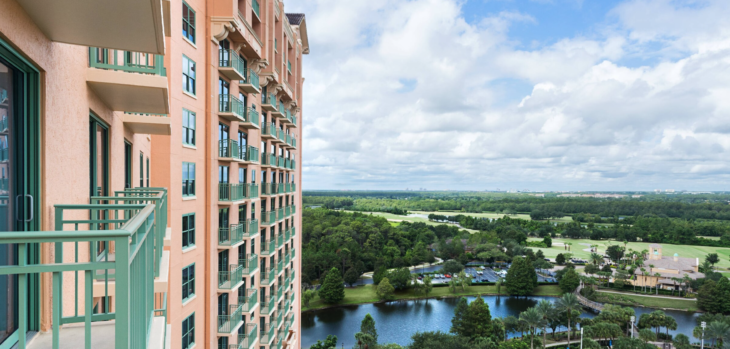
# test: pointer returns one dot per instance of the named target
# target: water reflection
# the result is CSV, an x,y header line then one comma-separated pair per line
x,y
397,321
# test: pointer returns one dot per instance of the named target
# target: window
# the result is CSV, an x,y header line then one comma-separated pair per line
x,y
148,172
188,282
188,230
188,127
141,169
188,75
188,180
222,174
188,330
188,16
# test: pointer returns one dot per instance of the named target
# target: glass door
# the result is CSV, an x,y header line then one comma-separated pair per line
x,y
99,176
18,185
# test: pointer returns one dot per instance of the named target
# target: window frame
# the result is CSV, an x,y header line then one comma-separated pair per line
x,y
188,235
186,22
189,193
187,78
190,320
190,284
189,127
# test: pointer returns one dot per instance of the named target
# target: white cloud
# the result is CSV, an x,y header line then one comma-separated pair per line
x,y
588,123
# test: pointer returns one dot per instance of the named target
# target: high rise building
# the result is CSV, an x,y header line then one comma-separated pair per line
x,y
150,174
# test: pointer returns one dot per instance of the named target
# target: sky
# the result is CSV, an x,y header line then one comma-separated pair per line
x,y
597,95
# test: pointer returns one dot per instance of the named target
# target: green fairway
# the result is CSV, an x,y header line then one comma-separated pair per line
x,y
649,302
394,218
366,294
683,251
492,215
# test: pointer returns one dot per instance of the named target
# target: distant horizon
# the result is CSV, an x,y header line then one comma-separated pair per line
x,y
522,192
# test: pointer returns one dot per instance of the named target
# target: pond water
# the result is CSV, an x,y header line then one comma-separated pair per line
x,y
397,321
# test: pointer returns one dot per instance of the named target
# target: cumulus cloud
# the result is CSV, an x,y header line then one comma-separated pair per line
x,y
402,93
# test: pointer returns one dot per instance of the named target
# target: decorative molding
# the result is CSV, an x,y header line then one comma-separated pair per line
x,y
259,64
265,79
221,27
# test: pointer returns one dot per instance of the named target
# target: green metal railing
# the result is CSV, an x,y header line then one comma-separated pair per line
x,y
228,148
288,66
279,317
293,250
249,300
268,276
268,188
268,159
280,212
268,248
256,9
287,257
251,115
251,228
293,232
269,99
280,265
127,61
287,303
230,279
268,305
252,192
248,338
229,322
268,217
252,77
250,264
280,161
287,234
230,192
287,212
228,58
130,230
293,142
231,235
266,336
268,129
231,104
293,164
250,153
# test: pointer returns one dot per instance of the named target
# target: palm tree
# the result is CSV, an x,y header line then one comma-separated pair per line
x,y
533,319
596,258
643,276
646,335
567,304
547,310
669,324
656,286
716,330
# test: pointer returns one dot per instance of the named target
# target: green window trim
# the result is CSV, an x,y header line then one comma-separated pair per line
x,y
188,230
188,282
188,127
188,332
188,75
188,180
188,17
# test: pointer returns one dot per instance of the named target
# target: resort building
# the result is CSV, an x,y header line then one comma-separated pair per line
x,y
666,271
150,174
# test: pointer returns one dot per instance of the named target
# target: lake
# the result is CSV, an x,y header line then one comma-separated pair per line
x,y
397,321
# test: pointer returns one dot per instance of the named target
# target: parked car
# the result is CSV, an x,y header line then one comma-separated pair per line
x,y
448,276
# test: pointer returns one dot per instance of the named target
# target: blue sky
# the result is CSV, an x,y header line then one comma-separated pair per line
x,y
524,94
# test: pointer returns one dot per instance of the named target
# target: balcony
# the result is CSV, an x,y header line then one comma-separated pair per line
x,y
280,213
151,124
280,162
129,81
231,235
229,150
255,8
134,25
250,118
287,212
250,264
230,279
229,323
131,255
268,160
249,301
268,277
268,102
230,64
268,130
266,336
231,108
268,217
280,265
269,248
250,82
251,228
278,112
249,338
293,232
235,192
268,305
293,165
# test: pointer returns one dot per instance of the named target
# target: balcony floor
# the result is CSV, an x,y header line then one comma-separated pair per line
x,y
102,336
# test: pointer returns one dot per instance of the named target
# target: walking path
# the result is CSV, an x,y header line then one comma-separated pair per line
x,y
645,295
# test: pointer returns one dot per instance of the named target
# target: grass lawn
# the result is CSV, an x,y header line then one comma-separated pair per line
x,y
394,219
366,294
683,251
629,299
490,215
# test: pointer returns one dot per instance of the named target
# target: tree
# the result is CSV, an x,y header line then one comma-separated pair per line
x,y
351,276
333,288
712,258
596,258
329,343
473,320
399,278
385,290
379,275
681,341
560,259
452,267
615,253
547,241
570,281
464,280
521,278
569,305
367,326
647,335
548,312
707,297
427,286
307,296
534,320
